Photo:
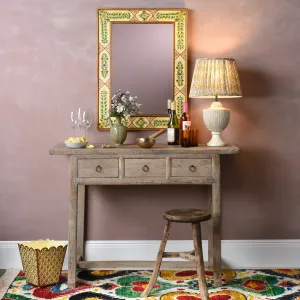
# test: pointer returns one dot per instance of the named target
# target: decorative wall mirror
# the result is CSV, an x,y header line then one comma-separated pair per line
x,y
143,51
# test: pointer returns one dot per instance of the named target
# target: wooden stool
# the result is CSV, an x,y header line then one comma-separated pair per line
x,y
185,215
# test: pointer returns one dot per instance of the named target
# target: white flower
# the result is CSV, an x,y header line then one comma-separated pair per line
x,y
120,108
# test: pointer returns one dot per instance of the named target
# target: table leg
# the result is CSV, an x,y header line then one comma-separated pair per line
x,y
210,235
215,234
72,245
80,222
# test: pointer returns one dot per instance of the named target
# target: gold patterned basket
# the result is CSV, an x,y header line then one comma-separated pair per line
x,y
42,261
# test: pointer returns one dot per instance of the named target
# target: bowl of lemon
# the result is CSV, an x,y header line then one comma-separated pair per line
x,y
76,142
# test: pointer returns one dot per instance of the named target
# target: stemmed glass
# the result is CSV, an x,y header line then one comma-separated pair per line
x,y
86,120
74,121
79,115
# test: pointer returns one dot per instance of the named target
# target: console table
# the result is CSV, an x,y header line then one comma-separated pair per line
x,y
132,165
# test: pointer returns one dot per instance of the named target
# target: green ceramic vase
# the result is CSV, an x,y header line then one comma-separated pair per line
x,y
118,132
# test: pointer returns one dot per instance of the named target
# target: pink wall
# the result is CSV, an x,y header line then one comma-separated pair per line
x,y
48,68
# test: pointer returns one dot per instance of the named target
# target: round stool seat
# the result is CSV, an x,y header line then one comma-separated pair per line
x,y
187,215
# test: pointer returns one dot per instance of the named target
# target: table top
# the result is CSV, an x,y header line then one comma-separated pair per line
x,y
62,149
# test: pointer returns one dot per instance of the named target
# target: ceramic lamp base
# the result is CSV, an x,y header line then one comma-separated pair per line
x,y
216,140
216,119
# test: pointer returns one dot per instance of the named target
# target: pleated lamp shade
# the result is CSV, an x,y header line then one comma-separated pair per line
x,y
215,77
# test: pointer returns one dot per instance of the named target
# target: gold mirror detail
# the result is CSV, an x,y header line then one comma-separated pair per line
x,y
106,17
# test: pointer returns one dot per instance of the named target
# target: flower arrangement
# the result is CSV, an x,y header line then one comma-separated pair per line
x,y
124,105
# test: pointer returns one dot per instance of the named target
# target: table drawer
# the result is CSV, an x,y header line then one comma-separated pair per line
x,y
145,167
98,168
191,167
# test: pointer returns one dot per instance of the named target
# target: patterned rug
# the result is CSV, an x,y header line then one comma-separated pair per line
x,y
171,285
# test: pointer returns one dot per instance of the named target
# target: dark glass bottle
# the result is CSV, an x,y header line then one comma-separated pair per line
x,y
185,127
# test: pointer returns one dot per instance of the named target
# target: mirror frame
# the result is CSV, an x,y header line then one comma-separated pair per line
x,y
106,17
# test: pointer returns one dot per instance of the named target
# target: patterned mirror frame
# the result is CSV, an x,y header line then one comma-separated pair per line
x,y
106,17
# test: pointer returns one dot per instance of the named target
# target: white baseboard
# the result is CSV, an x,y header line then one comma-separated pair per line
x,y
235,253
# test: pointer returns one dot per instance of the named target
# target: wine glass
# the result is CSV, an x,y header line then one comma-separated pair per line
x,y
74,121
86,120
79,116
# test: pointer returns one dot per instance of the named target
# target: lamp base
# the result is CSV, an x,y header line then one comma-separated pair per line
x,y
216,140
216,119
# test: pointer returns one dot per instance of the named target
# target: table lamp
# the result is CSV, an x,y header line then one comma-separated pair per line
x,y
216,78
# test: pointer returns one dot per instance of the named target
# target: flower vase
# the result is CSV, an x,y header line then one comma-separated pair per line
x,y
118,132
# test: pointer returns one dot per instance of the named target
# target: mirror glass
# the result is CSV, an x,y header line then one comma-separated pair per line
x,y
142,63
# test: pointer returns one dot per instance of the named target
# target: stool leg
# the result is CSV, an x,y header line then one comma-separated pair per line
x,y
159,258
199,261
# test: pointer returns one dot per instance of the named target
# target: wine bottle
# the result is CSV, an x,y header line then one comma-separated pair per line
x,y
185,127
169,107
173,127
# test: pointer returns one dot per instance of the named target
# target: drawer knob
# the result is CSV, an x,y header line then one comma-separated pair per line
x,y
192,168
145,168
98,169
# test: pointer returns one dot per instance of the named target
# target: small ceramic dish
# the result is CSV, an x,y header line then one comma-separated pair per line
x,y
76,145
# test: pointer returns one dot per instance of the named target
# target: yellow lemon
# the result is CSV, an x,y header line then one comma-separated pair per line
x,y
80,139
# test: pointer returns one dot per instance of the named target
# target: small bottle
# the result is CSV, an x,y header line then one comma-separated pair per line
x,y
169,107
185,127
173,127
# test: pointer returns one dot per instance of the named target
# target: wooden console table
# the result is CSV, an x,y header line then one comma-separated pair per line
x,y
131,165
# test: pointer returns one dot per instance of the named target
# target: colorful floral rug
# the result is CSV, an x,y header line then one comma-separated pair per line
x,y
171,285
